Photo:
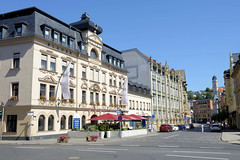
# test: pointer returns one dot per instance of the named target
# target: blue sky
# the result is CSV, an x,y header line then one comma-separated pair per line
x,y
195,35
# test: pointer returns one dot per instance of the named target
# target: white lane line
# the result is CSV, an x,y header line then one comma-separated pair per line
x,y
32,147
196,157
96,144
83,150
111,149
171,136
201,152
163,146
130,145
212,147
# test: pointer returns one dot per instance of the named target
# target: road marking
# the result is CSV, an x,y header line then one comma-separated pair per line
x,y
22,147
73,157
212,147
130,145
196,157
201,152
82,150
115,149
171,136
96,144
163,146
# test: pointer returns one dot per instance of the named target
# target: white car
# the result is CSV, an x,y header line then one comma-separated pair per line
x,y
215,127
187,126
175,128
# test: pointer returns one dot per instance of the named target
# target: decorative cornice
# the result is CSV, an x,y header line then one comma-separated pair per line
x,y
48,79
48,52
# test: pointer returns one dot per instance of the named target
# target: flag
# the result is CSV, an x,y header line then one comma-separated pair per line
x,y
65,83
125,93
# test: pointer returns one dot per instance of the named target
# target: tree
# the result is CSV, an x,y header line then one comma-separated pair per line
x,y
190,95
209,95
199,97
207,89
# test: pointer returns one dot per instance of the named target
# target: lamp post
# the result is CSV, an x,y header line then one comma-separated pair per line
x,y
2,105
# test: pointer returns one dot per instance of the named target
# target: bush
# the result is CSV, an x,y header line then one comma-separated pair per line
x,y
93,128
103,127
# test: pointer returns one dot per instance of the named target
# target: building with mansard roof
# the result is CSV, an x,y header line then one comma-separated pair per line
x,y
35,49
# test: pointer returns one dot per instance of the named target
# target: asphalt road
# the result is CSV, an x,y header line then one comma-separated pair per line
x,y
180,145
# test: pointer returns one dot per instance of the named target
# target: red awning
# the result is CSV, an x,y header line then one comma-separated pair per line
x,y
107,116
127,117
137,117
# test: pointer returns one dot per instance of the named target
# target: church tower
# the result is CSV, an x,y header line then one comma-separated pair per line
x,y
214,85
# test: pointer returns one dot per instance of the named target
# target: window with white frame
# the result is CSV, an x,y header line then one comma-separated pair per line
x,y
44,61
114,81
56,37
51,91
71,44
71,69
103,77
15,88
16,60
120,83
43,90
19,30
1,33
91,74
96,77
64,40
91,97
84,72
53,64
110,80
64,66
47,33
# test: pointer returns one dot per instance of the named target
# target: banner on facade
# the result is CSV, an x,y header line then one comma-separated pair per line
x,y
76,121
124,93
65,83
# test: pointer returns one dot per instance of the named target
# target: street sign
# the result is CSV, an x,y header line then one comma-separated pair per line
x,y
153,116
120,118
30,113
118,112
76,121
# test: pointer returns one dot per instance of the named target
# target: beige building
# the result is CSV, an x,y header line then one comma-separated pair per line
x,y
35,49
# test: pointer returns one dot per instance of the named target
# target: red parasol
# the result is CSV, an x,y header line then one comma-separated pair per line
x,y
137,117
127,117
107,116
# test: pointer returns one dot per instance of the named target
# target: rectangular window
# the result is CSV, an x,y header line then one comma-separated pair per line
x,y
118,63
1,33
110,80
56,37
83,96
71,69
103,56
47,33
91,74
91,97
71,44
44,61
120,83
103,98
153,84
96,97
11,123
53,64
115,100
19,30
110,99
64,66
52,91
16,60
84,72
114,61
15,89
103,78
42,90
64,39
71,94
114,81
96,76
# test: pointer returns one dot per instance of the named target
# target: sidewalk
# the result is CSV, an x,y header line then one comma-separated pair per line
x,y
231,136
72,141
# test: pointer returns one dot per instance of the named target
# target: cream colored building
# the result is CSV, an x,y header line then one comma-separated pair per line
x,y
35,49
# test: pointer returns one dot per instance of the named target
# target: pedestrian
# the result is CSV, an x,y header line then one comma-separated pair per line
x,y
149,127
202,129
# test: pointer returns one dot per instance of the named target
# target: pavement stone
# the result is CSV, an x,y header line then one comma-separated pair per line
x,y
231,136
72,141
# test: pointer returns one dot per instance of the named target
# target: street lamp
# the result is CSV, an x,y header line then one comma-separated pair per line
x,y
2,105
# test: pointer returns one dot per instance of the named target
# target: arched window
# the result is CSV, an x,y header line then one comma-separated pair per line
x,y
83,122
63,122
93,54
41,122
70,121
94,122
50,122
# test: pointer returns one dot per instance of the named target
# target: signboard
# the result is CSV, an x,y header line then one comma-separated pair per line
x,y
185,118
153,116
30,113
120,118
76,121
118,112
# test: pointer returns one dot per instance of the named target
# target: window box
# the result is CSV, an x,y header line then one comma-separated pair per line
x,y
71,100
98,103
84,102
43,98
104,103
52,99
92,103
13,98
64,100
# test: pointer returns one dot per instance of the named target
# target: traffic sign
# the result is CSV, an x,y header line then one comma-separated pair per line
x,y
118,112
120,118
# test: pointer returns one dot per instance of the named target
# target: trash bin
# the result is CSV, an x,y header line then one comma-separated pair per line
x,y
108,134
102,135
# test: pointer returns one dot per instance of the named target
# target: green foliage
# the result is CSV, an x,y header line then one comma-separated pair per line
x,y
103,127
199,97
93,128
190,95
207,89
209,95
220,116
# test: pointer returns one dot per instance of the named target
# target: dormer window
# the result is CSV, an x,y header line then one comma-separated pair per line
x,y
71,44
103,56
64,40
83,47
1,33
56,37
93,54
118,63
47,33
19,30
114,61
110,60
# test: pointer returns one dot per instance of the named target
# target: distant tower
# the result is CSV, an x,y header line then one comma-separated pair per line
x,y
215,85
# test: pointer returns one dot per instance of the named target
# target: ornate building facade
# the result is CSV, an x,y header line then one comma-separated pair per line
x,y
35,49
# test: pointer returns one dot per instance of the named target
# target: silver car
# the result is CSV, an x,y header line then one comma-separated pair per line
x,y
215,127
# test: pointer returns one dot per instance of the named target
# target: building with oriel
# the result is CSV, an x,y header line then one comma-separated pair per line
x,y
35,50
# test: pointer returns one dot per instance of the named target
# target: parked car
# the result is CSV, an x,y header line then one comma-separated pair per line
x,y
175,128
166,128
187,126
215,127
191,125
181,127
